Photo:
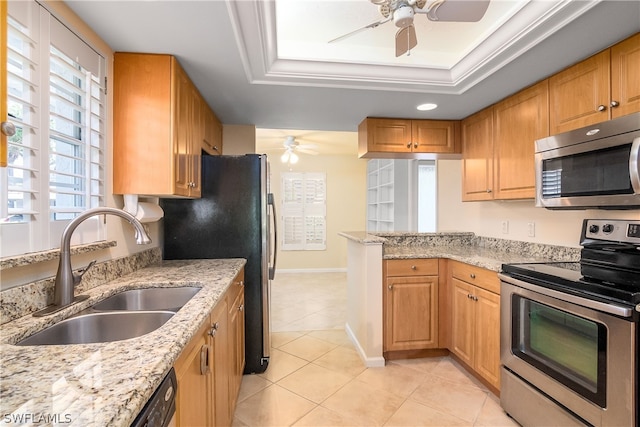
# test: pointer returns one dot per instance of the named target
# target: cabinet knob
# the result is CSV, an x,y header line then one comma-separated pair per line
x,y
8,128
473,276
241,307
241,283
475,298
614,104
601,107
390,287
469,296
413,267
408,145
488,190
213,330
415,145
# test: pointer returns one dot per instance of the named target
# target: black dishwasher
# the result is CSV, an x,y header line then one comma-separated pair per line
x,y
160,409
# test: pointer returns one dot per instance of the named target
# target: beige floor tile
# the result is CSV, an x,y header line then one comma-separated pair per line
x,y
342,359
307,347
393,378
314,382
364,404
463,401
414,414
279,339
273,406
281,364
322,417
425,365
450,370
251,384
492,415
335,336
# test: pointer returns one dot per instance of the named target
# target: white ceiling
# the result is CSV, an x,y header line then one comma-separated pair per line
x,y
244,56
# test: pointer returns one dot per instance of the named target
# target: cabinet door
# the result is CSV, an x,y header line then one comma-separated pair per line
x,y
212,142
193,397
477,156
196,135
462,320
221,365
625,76
385,135
579,96
435,136
183,118
517,123
411,313
236,346
487,340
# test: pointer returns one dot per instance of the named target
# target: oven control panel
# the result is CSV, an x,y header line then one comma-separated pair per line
x,y
612,230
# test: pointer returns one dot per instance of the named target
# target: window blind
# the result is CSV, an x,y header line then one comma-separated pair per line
x,y
304,210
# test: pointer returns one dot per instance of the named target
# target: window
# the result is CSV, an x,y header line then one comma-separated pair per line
x,y
427,197
304,210
56,99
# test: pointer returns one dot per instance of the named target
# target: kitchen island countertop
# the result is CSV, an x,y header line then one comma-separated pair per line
x,y
105,384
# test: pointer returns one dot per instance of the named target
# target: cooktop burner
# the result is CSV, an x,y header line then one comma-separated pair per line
x,y
569,277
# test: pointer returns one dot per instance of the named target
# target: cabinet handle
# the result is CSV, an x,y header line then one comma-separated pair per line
x,y
488,190
473,276
241,307
213,330
614,104
408,145
601,107
475,298
390,287
204,360
413,267
469,296
241,283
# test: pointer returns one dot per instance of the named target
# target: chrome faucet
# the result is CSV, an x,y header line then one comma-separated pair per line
x,y
66,279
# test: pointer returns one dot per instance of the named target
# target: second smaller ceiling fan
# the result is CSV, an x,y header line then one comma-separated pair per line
x,y
290,147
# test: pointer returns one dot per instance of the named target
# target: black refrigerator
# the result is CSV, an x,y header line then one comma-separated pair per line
x,y
234,218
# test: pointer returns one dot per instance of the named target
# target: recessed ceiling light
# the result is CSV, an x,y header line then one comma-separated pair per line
x,y
427,107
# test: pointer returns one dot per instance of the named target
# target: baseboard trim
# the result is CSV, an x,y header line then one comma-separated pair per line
x,y
311,270
369,362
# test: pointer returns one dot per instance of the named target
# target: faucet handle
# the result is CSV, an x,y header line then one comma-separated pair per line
x,y
77,277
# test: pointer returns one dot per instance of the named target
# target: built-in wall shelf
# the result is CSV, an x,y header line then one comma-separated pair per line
x,y
388,200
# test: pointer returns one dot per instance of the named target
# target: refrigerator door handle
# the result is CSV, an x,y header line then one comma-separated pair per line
x,y
272,268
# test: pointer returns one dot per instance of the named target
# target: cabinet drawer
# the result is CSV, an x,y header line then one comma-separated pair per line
x,y
412,267
477,276
236,287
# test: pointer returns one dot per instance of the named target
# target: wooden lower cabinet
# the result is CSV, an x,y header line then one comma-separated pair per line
x,y
475,320
209,370
410,299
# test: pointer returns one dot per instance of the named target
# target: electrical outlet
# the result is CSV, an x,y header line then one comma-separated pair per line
x,y
505,227
531,229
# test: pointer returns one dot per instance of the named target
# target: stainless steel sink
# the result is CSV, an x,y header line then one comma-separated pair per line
x,y
100,327
171,299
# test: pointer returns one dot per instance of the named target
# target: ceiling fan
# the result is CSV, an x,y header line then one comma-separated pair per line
x,y
402,13
290,147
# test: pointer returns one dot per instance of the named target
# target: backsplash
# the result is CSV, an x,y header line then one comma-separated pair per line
x,y
26,299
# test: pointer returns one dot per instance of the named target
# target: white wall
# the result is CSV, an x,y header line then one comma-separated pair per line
x,y
485,218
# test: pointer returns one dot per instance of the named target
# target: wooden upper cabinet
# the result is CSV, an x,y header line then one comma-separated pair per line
x,y
212,141
518,122
602,87
158,127
477,156
391,138
625,76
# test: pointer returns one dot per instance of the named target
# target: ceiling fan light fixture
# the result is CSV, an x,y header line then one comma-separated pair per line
x,y
285,156
293,159
427,106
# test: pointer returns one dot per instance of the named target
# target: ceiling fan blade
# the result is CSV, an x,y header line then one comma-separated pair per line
x,y
456,10
405,40
305,150
372,25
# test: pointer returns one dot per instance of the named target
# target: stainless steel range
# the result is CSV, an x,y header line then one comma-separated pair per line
x,y
569,333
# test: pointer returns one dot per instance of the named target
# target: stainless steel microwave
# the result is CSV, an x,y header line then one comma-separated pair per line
x,y
596,167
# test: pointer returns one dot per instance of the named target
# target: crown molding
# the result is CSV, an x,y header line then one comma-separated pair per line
x,y
254,26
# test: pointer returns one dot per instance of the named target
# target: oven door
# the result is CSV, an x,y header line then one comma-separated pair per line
x,y
576,352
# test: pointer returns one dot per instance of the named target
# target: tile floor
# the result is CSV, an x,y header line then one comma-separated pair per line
x,y
316,378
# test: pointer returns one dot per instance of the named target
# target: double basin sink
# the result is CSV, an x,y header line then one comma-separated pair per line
x,y
125,315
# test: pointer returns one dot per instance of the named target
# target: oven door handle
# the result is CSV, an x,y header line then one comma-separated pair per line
x,y
614,309
634,165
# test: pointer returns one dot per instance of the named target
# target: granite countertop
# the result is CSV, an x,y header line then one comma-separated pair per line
x,y
105,384
491,259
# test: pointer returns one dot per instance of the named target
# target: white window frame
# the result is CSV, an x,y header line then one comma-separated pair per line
x,y
40,230
304,211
